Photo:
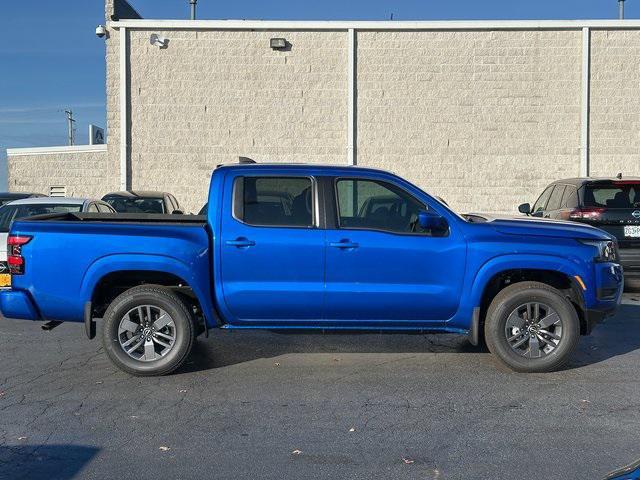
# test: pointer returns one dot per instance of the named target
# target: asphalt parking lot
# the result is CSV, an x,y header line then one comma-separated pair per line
x,y
270,406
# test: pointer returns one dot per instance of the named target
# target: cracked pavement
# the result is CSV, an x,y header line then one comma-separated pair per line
x,y
271,406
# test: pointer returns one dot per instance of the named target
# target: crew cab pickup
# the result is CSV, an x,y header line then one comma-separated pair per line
x,y
314,247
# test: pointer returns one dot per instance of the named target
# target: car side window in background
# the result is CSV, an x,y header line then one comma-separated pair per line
x,y
274,201
175,203
7,215
104,208
541,203
556,198
570,197
369,204
93,208
172,203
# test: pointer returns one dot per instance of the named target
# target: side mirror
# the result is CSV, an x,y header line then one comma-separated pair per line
x,y
431,221
177,212
525,208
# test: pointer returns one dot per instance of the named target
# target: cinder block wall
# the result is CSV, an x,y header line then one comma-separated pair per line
x,y
615,102
483,118
83,173
213,96
112,59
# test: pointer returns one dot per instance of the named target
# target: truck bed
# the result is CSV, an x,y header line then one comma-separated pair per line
x,y
121,218
69,254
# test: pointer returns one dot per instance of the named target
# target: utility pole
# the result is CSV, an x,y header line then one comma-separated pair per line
x,y
621,9
72,130
193,8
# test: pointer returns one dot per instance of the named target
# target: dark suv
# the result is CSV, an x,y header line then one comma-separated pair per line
x,y
612,204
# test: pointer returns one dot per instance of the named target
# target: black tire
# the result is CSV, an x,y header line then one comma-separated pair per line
x,y
519,294
161,298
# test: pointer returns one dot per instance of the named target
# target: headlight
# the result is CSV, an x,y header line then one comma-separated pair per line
x,y
607,250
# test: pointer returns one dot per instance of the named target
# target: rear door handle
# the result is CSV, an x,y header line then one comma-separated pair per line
x,y
241,243
344,244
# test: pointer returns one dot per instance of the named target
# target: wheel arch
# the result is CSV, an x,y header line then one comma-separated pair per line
x,y
109,276
502,272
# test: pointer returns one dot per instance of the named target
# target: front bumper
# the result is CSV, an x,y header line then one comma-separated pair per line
x,y
18,304
609,287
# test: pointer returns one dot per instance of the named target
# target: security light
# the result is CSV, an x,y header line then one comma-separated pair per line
x,y
278,43
158,41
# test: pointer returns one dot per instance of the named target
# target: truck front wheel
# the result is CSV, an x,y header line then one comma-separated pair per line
x,y
532,327
148,331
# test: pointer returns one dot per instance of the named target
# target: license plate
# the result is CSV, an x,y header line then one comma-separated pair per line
x,y
632,231
5,280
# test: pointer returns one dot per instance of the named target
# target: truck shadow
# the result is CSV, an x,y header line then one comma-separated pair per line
x,y
617,336
44,462
224,348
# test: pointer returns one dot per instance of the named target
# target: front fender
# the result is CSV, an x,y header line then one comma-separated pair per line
x,y
569,267
195,275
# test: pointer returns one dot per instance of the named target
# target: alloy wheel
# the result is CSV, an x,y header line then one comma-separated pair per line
x,y
533,330
146,333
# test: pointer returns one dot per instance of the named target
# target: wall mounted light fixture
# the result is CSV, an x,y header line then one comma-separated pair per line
x,y
158,41
278,43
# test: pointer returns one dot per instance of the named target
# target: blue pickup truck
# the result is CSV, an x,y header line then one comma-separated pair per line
x,y
314,247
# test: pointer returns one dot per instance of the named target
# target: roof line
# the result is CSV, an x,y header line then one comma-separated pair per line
x,y
17,152
375,25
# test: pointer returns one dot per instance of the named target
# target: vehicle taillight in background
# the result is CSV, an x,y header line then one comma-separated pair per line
x,y
586,213
15,260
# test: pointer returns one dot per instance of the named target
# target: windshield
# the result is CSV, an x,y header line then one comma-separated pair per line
x,y
613,195
9,213
136,205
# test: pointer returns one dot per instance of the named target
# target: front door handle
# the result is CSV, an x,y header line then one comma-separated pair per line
x,y
241,243
344,244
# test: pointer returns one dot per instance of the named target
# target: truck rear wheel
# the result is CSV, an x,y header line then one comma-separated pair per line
x,y
148,331
531,327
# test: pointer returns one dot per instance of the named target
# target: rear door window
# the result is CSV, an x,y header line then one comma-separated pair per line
x,y
570,197
613,195
274,201
541,203
556,198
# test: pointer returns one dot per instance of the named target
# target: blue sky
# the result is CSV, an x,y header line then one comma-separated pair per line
x,y
50,58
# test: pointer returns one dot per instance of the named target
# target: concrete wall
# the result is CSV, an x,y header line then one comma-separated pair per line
x,y
212,96
615,102
82,171
483,118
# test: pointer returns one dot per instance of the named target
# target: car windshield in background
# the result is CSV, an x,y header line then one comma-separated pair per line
x,y
9,213
613,195
136,205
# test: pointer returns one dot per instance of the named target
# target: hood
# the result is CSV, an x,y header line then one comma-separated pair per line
x,y
541,227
